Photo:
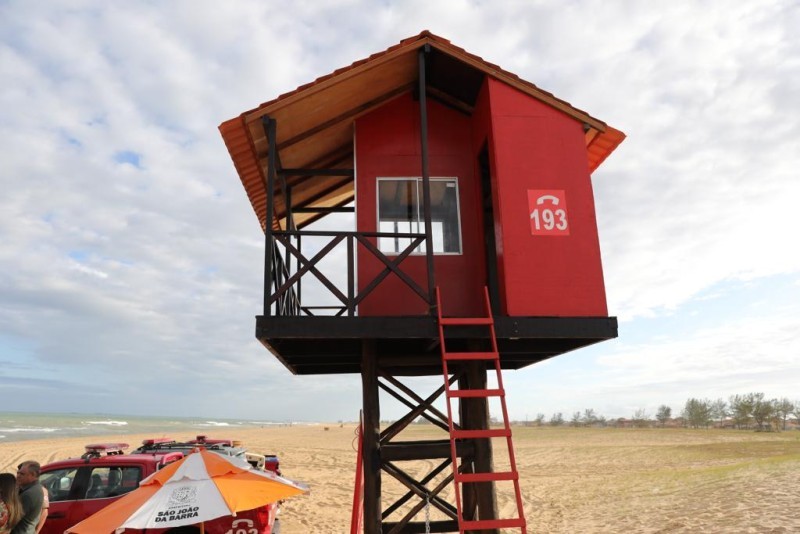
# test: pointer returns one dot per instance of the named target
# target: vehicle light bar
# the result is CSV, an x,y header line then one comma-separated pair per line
x,y
107,448
203,440
157,441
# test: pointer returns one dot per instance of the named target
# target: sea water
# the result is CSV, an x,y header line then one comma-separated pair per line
x,y
19,426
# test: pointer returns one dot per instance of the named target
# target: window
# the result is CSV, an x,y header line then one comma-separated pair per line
x,y
59,483
401,210
112,481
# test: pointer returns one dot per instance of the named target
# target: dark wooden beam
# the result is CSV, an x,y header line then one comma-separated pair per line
x,y
450,101
316,172
420,527
270,130
333,209
371,439
479,496
427,478
402,451
424,327
426,178
348,115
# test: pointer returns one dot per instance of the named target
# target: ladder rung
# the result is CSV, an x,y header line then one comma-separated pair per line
x,y
475,393
490,433
516,522
477,321
470,356
487,477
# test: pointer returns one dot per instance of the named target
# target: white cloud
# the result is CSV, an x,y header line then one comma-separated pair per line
x,y
146,272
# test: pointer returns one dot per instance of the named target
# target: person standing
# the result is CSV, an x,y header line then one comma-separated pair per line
x,y
10,505
45,510
31,495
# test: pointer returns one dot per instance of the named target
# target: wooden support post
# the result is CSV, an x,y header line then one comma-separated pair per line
x,y
469,498
475,416
270,128
426,179
371,450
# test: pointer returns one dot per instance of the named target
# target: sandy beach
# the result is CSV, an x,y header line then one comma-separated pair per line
x,y
573,480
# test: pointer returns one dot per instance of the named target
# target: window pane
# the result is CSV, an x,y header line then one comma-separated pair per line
x,y
400,210
112,481
58,483
444,217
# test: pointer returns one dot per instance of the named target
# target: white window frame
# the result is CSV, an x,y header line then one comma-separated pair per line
x,y
420,215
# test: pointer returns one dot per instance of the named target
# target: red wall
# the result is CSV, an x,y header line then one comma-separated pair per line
x,y
531,147
536,147
388,145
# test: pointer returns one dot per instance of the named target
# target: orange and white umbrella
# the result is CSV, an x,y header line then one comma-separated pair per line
x,y
200,487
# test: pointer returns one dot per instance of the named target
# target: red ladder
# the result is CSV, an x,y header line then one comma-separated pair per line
x,y
459,434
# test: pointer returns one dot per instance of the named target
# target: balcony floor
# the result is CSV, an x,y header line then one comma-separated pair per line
x,y
410,345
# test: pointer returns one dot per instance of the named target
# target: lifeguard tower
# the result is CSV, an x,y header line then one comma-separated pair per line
x,y
474,249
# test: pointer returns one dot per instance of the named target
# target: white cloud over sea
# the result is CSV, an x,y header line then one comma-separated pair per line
x,y
130,259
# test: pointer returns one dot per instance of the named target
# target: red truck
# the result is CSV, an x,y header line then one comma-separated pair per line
x,y
79,487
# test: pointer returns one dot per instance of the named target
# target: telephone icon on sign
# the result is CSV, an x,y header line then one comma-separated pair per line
x,y
548,212
542,199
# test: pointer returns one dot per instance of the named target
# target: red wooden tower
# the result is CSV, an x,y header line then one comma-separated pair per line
x,y
461,177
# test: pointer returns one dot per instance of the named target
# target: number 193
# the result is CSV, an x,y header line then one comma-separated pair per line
x,y
549,219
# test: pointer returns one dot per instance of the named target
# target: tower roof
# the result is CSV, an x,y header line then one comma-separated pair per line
x,y
315,121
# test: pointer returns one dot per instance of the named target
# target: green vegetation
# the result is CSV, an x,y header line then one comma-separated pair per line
x,y
750,411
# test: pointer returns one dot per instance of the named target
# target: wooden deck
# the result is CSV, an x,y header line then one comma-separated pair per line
x,y
408,346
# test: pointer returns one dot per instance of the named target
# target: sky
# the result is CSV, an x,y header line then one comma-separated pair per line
x,y
131,260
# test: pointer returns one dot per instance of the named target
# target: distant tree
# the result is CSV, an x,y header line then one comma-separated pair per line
x,y
741,409
763,411
719,410
783,409
589,418
640,418
663,414
557,419
697,413
576,419
539,419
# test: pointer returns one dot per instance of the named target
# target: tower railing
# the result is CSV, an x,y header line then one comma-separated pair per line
x,y
290,265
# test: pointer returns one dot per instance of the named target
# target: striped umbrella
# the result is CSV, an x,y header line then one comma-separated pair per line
x,y
200,487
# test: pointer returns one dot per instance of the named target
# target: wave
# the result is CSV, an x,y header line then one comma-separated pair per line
x,y
214,423
107,423
29,429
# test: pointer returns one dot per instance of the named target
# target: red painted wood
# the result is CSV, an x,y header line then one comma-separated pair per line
x,y
387,145
537,147
531,147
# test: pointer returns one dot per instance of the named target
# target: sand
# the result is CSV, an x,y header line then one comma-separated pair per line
x,y
573,480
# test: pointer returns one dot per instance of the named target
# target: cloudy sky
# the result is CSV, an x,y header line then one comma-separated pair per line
x,y
130,259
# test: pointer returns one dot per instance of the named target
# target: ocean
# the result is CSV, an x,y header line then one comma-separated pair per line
x,y
18,426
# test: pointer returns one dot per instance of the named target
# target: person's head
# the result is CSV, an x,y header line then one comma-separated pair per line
x,y
8,486
8,494
28,472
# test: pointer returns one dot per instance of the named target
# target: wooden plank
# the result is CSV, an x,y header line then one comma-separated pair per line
x,y
390,66
424,327
350,114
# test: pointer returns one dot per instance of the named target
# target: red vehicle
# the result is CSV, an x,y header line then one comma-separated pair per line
x,y
79,487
